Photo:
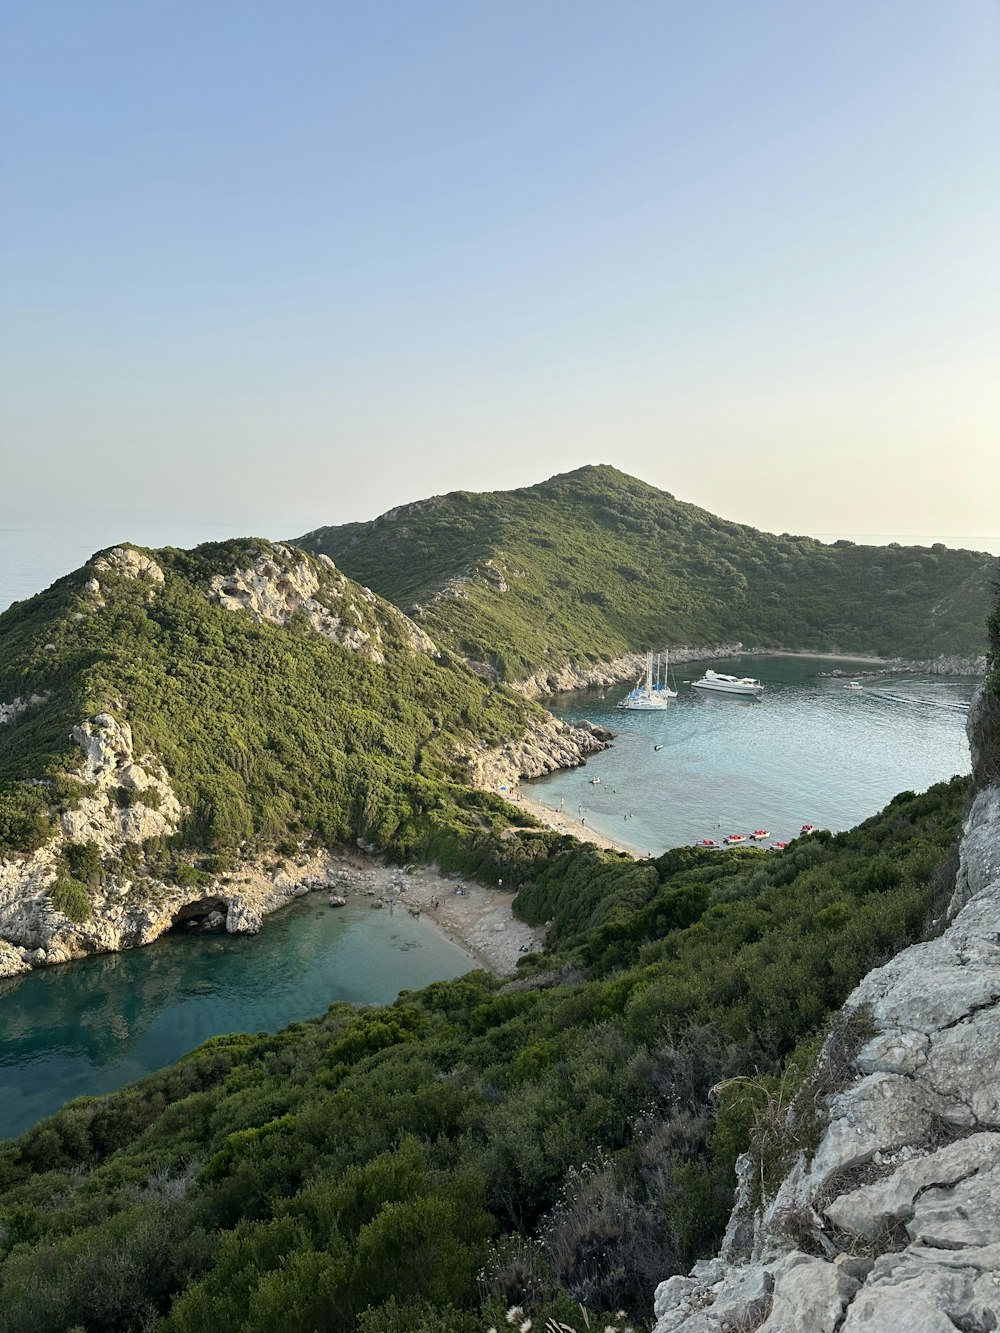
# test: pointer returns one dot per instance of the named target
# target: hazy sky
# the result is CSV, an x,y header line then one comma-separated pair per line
x,y
268,265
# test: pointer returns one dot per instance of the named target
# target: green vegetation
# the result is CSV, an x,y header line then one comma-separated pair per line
x,y
548,1140
552,1140
269,734
593,564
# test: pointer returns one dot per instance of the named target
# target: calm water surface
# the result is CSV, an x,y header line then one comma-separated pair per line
x,y
808,751
91,1026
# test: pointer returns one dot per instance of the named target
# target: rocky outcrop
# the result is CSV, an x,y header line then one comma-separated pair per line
x,y
893,1223
128,563
547,744
128,913
281,583
125,802
9,712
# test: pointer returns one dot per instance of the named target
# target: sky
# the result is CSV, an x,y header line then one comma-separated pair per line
x,y
265,266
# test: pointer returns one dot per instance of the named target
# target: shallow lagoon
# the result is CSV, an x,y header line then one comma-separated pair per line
x,y
92,1026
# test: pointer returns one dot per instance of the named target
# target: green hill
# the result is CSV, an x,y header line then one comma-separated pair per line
x,y
593,564
549,1142
277,700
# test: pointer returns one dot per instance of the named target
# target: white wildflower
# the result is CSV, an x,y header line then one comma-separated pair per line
x,y
513,1314
525,1327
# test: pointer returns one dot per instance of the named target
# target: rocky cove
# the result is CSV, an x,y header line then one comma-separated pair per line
x,y
581,676
129,912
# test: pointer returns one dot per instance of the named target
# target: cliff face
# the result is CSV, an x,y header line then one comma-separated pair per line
x,y
128,909
547,744
893,1222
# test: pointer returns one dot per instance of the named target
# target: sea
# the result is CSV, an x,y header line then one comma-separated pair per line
x,y
89,1027
809,750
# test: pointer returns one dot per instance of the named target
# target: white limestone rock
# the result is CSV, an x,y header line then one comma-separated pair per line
x,y
960,1215
129,563
12,961
545,745
281,583
810,1295
870,1208
9,712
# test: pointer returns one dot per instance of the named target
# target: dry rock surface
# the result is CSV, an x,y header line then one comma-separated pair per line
x,y
9,712
129,563
281,583
547,744
893,1225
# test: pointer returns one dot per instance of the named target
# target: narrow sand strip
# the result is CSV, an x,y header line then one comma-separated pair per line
x,y
561,822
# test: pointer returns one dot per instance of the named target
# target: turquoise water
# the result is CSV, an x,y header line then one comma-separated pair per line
x,y
808,751
91,1026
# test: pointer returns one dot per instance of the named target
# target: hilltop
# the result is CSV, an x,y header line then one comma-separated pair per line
x,y
184,725
594,564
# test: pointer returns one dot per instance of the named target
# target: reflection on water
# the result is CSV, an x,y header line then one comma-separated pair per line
x,y
808,751
91,1026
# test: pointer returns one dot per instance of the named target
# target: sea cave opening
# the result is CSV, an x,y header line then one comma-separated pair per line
x,y
203,914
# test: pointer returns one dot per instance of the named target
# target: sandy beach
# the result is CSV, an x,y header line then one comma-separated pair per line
x,y
561,822
478,919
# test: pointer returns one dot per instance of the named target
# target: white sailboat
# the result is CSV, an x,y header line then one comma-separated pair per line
x,y
647,695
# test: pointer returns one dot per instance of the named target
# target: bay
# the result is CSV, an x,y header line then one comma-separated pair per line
x,y
91,1026
808,751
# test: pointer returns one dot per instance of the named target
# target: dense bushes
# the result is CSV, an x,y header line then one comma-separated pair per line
x,y
594,563
551,1140
269,734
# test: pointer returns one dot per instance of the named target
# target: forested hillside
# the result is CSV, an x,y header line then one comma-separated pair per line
x,y
279,701
550,1142
593,563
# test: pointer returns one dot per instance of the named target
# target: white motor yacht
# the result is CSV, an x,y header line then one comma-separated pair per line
x,y
716,680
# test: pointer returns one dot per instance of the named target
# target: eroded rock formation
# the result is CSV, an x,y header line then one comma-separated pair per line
x,y
547,744
281,583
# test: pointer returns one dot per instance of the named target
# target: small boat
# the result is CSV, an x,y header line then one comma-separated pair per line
x,y
761,833
853,685
594,781
807,828
780,846
715,680
732,838
708,842
657,747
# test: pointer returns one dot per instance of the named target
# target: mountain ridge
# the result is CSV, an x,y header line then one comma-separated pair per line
x,y
592,564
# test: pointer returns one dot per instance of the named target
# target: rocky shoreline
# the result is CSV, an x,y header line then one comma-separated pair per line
x,y
893,1221
128,911
630,666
